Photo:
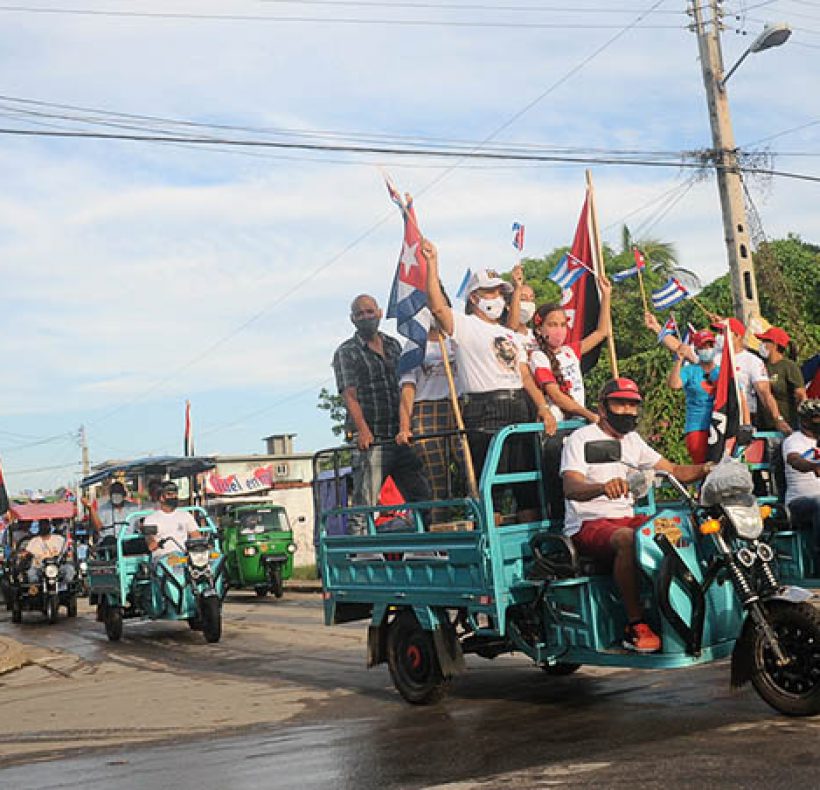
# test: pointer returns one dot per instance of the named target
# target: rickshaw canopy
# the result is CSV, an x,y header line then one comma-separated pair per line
x,y
175,466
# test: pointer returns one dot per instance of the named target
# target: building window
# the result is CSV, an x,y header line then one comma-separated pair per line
x,y
281,470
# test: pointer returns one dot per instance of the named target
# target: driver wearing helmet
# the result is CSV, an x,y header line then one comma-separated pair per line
x,y
600,508
801,452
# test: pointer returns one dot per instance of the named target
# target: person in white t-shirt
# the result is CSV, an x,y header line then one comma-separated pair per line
x,y
494,375
801,453
425,408
521,311
600,509
168,529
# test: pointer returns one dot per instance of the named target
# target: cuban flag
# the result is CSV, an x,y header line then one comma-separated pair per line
x,y
461,293
669,295
622,276
640,260
568,271
687,338
518,236
408,297
669,328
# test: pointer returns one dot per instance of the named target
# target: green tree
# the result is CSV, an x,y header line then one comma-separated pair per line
x,y
332,403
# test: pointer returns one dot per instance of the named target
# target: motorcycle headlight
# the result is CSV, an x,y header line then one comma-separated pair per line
x,y
745,519
291,548
199,557
51,571
83,566
249,551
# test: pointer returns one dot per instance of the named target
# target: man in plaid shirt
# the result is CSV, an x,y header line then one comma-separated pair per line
x,y
366,375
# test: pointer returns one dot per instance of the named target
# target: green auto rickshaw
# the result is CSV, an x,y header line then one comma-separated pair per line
x,y
257,541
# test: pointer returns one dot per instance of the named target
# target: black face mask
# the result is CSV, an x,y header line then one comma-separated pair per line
x,y
171,502
621,423
367,327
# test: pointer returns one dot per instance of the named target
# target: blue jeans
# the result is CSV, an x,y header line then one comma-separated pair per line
x,y
805,512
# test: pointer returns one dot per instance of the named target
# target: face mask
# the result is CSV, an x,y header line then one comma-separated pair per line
x,y
526,312
706,354
367,327
556,336
171,502
763,351
622,423
117,499
492,308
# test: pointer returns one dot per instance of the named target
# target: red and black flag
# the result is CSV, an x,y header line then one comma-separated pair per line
x,y
580,298
726,409
4,495
188,441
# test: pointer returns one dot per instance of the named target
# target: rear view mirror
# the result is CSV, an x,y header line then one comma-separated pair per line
x,y
602,451
745,434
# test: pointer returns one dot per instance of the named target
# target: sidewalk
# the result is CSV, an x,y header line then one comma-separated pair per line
x,y
12,655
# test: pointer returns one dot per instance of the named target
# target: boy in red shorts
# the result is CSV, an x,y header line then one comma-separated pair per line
x,y
600,514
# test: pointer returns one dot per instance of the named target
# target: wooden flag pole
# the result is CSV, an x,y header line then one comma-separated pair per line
x,y
598,254
706,312
643,291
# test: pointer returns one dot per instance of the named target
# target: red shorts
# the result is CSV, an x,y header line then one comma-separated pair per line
x,y
697,444
595,536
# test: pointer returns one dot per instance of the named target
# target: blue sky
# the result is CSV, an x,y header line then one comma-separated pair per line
x,y
139,275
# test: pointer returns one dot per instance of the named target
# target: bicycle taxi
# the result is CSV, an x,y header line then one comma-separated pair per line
x,y
434,596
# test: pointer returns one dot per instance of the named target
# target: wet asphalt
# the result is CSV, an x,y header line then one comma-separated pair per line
x,y
504,723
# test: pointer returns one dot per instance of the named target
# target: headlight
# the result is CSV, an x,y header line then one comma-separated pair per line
x,y
83,566
51,571
745,519
249,551
199,557
259,528
291,548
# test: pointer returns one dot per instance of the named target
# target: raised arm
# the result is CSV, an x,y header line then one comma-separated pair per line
x,y
601,332
435,296
514,312
670,341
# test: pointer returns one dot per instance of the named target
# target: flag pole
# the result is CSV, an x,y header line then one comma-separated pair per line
x,y
643,290
598,254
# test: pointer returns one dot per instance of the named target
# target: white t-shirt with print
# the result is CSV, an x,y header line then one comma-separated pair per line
x,y
570,366
750,370
527,341
488,355
634,450
801,483
177,525
429,378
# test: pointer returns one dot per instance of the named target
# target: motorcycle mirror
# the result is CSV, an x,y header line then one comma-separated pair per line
x,y
602,451
745,434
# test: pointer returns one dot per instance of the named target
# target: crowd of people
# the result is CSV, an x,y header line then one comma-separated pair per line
x,y
510,362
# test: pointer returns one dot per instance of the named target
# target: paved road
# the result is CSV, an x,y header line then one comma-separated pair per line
x,y
285,702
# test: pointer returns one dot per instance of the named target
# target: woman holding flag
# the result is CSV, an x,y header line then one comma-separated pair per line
x,y
495,377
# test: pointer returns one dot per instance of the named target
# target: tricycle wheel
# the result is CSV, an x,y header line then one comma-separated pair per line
x,y
261,592
413,663
210,612
71,606
195,623
561,669
52,608
277,585
112,617
793,689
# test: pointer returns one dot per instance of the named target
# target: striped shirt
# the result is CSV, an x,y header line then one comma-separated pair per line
x,y
375,379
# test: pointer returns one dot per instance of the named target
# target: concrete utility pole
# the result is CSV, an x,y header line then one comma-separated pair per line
x,y
84,446
730,185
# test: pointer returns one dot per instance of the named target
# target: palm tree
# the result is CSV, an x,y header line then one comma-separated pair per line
x,y
662,257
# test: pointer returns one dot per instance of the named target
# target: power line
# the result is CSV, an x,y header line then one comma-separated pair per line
x,y
178,15
469,7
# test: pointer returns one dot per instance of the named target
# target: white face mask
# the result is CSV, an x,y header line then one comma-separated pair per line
x,y
492,308
526,312
763,351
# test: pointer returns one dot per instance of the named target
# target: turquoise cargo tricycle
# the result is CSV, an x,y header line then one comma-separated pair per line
x,y
188,584
709,589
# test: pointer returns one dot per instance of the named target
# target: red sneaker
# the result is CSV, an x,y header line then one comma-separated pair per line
x,y
641,638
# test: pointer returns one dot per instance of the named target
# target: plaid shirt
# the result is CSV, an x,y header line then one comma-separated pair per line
x,y
375,379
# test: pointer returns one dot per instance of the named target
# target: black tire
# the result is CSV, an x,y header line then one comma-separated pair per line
x,y
71,606
112,617
261,592
794,689
210,612
413,663
277,584
16,609
195,623
560,670
52,608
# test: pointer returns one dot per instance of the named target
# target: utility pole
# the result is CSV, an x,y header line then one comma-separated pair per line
x,y
84,446
730,184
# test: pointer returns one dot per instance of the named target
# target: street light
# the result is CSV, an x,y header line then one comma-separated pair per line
x,y
772,36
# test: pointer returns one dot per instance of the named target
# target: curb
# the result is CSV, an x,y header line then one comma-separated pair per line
x,y
12,655
304,586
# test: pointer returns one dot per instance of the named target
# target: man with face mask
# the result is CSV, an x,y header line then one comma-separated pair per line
x,y
600,509
108,520
801,452
167,529
366,370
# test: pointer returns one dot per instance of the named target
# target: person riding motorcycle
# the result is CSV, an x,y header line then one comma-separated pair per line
x,y
600,515
167,529
43,545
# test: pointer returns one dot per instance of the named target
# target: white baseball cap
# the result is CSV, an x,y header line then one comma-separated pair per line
x,y
486,278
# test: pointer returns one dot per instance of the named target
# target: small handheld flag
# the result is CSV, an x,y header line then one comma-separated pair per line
x,y
568,270
669,295
669,328
462,288
622,276
518,236
640,260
